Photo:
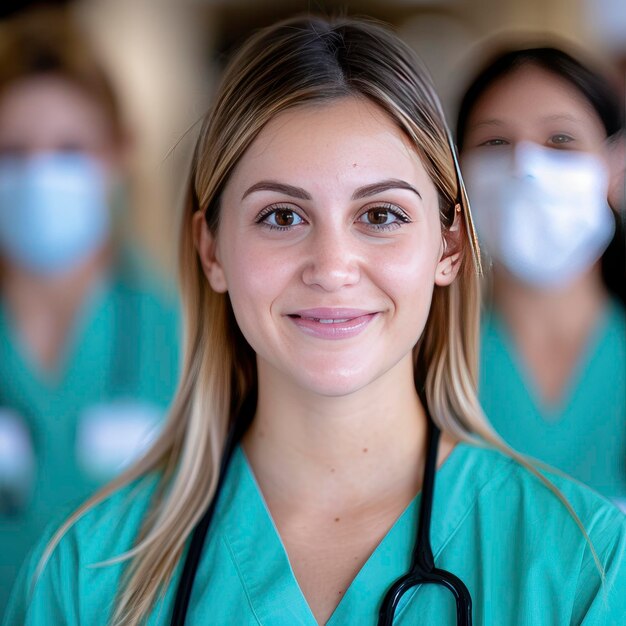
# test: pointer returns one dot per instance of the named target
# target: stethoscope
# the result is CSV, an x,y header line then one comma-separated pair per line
x,y
422,570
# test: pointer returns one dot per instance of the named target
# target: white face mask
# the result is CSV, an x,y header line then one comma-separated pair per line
x,y
542,213
53,210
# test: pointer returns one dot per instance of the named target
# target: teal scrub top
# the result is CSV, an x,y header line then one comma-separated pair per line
x,y
118,375
523,558
585,434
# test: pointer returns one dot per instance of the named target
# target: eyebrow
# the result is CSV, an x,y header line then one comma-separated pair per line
x,y
361,192
492,122
271,185
384,185
557,117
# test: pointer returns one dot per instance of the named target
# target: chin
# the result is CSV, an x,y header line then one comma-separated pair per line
x,y
335,383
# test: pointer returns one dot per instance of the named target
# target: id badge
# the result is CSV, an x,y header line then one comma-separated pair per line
x,y
111,436
17,463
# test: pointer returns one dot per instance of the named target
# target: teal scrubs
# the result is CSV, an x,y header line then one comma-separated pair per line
x,y
494,525
118,375
585,434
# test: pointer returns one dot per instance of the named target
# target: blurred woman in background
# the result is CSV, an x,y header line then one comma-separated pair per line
x,y
540,134
88,339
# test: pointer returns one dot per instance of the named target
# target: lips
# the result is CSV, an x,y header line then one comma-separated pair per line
x,y
332,323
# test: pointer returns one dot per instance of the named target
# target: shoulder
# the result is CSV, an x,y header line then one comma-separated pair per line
x,y
135,282
138,273
76,585
148,322
534,520
616,321
535,506
537,492
110,527
497,352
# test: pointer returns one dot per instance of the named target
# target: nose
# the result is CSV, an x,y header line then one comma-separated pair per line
x,y
524,159
332,260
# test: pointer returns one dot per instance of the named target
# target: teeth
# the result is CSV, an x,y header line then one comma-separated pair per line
x,y
341,321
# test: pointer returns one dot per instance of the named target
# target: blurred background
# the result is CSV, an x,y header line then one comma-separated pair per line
x,y
165,57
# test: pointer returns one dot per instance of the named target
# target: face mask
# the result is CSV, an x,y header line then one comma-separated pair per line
x,y
542,213
53,211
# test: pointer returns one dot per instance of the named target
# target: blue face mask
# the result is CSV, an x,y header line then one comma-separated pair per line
x,y
53,211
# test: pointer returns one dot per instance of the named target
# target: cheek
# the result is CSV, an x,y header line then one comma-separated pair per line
x,y
409,268
405,284
256,276
409,282
417,283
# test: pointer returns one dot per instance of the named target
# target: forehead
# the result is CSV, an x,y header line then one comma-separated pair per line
x,y
41,110
533,94
334,143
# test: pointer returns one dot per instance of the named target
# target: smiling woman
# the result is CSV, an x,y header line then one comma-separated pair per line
x,y
349,253
330,280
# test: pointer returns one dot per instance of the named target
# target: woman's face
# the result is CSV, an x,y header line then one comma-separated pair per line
x,y
329,246
536,167
59,163
534,105
51,114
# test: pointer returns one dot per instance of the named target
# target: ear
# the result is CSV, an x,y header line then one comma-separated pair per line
x,y
206,246
617,171
450,261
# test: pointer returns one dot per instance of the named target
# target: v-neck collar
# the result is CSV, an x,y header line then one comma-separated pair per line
x,y
263,564
24,366
576,381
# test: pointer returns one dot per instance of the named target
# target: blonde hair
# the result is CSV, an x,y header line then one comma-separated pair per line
x,y
300,61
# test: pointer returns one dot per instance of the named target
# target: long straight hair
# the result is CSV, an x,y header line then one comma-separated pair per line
x,y
300,61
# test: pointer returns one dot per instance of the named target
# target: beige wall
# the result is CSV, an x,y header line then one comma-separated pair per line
x,y
155,50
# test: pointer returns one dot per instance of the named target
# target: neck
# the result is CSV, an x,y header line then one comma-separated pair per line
x,y
43,307
368,446
568,312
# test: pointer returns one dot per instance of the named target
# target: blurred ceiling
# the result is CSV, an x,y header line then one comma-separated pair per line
x,y
233,20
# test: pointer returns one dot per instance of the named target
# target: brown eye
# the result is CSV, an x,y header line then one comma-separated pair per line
x,y
284,217
383,217
281,218
377,216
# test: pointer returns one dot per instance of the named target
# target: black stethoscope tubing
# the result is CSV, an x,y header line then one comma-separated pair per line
x,y
422,570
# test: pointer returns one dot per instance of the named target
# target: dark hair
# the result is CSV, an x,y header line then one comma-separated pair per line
x,y
597,90
592,85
